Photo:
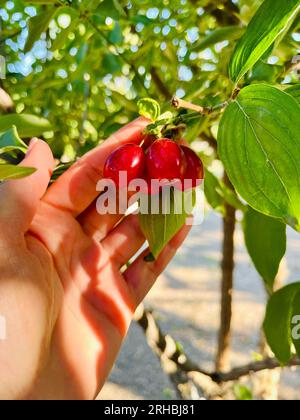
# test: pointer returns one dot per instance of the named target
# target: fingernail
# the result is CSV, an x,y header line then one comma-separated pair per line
x,y
31,145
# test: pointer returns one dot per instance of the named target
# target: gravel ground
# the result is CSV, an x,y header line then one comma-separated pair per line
x,y
186,301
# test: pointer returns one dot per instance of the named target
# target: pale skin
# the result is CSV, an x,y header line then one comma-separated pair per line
x,y
67,305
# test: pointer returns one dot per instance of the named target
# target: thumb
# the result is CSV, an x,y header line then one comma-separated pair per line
x,y
20,198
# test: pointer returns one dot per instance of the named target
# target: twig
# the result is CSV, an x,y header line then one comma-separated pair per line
x,y
167,348
154,74
10,36
291,67
235,93
184,118
180,103
224,341
160,84
85,111
169,352
210,140
254,367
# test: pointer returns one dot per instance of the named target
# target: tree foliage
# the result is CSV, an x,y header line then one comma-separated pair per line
x,y
78,69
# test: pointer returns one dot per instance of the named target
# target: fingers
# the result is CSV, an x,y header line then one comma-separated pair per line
x,y
97,225
20,198
141,275
75,190
124,241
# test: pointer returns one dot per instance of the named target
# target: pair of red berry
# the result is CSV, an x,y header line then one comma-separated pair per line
x,y
164,160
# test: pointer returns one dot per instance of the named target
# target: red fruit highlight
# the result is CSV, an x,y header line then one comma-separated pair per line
x,y
129,158
194,167
165,160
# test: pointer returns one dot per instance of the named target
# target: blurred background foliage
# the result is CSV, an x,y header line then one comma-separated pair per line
x,y
86,72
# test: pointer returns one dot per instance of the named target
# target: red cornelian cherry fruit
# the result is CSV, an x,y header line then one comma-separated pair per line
x,y
129,158
165,160
194,167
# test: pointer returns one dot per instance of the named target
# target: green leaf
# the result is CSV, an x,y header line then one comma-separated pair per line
x,y
126,103
230,196
294,91
228,33
265,72
277,323
259,145
111,63
62,37
111,8
26,124
242,393
295,323
269,22
149,108
11,139
265,239
211,186
141,19
37,25
217,193
14,172
115,36
160,228
41,1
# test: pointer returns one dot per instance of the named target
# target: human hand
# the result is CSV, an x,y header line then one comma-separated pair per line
x,y
66,303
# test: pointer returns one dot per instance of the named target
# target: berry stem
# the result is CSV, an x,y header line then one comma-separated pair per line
x,y
183,118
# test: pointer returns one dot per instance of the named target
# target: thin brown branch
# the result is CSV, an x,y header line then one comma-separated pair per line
x,y
254,367
85,110
3,39
210,140
294,65
120,55
224,341
162,87
166,348
180,103
172,358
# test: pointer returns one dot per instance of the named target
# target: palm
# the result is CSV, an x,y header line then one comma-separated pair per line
x,y
96,304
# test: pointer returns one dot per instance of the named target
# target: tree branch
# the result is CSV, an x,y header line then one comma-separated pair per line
x,y
160,84
168,349
10,36
172,359
210,140
180,103
254,367
224,344
292,66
